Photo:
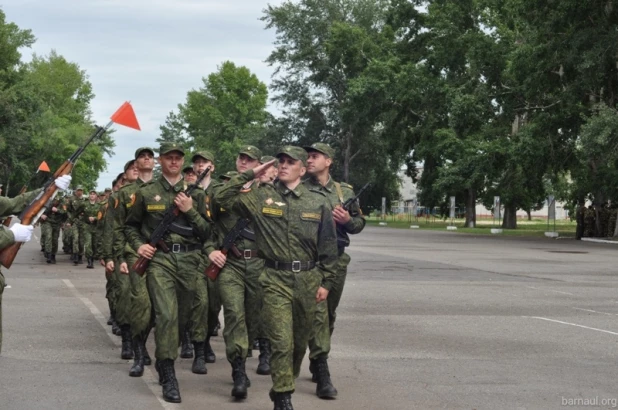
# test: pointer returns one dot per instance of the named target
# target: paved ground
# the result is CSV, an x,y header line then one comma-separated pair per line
x,y
429,320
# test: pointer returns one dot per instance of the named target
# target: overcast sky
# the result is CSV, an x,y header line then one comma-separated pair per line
x,y
150,52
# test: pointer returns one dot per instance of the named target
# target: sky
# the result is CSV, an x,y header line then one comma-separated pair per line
x,y
148,52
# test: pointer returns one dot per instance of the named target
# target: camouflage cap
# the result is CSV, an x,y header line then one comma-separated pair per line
x,y
207,155
79,188
251,152
128,165
108,190
142,149
323,148
188,168
228,175
168,147
93,190
293,152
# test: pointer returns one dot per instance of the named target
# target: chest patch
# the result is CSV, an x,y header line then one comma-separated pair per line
x,y
155,207
272,211
310,216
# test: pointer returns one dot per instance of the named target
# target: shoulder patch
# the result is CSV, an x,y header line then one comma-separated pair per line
x,y
130,204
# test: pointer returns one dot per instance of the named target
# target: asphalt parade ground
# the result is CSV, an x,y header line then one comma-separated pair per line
x,y
428,320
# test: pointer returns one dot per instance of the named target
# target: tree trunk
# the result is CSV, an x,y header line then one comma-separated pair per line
x,y
599,202
347,154
510,217
470,208
529,214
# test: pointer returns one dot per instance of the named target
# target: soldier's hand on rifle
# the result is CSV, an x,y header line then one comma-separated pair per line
x,y
146,251
54,209
109,267
218,258
44,217
340,215
102,262
63,182
183,202
22,233
261,169
321,295
124,268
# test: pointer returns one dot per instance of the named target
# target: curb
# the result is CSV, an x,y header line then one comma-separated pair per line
x,y
599,240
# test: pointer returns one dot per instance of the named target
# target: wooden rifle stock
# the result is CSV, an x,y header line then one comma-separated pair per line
x,y
212,271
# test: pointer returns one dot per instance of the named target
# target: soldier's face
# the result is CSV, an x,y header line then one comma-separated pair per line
x,y
92,196
245,162
190,177
171,163
200,164
317,162
145,161
290,170
79,193
131,173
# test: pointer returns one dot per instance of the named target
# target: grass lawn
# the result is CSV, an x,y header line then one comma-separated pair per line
x,y
536,227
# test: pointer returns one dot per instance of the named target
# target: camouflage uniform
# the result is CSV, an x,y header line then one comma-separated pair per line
x,y
10,206
324,325
107,254
67,231
54,221
76,212
91,209
294,228
174,274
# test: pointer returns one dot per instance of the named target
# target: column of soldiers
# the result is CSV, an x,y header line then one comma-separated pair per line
x,y
279,285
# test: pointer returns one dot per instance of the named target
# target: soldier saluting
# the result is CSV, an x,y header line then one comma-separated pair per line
x,y
296,237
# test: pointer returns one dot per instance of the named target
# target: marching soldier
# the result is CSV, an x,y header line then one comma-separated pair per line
x,y
319,162
139,308
76,212
67,230
173,268
296,237
89,219
54,217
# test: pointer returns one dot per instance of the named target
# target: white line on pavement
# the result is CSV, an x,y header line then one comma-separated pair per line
x,y
550,290
148,377
594,311
572,324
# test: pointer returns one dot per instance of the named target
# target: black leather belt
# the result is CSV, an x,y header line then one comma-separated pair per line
x,y
181,248
246,254
295,266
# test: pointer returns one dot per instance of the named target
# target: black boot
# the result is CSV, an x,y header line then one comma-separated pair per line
x,y
74,258
46,255
199,363
283,401
110,321
90,263
240,379
167,375
49,257
79,260
127,351
264,366
115,328
210,354
53,259
137,370
325,388
215,330
186,350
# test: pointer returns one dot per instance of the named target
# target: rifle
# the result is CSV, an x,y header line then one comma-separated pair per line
x,y
212,271
33,211
43,167
347,204
156,238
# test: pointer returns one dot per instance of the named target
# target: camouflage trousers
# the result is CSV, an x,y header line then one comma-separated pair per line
x,y
111,290
90,240
172,277
141,314
2,284
325,315
209,295
241,297
196,310
51,240
77,235
45,233
288,314
67,237
122,296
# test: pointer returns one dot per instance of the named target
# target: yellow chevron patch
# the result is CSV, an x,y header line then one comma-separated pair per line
x,y
272,211
150,208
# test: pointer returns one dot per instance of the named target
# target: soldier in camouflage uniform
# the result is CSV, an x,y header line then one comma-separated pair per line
x,y
296,237
239,289
138,309
45,232
89,221
67,230
19,232
76,212
320,159
173,268
101,225
54,217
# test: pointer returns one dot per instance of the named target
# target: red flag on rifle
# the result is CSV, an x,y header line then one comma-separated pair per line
x,y
126,116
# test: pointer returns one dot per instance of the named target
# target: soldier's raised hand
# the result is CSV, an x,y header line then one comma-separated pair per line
x,y
261,169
